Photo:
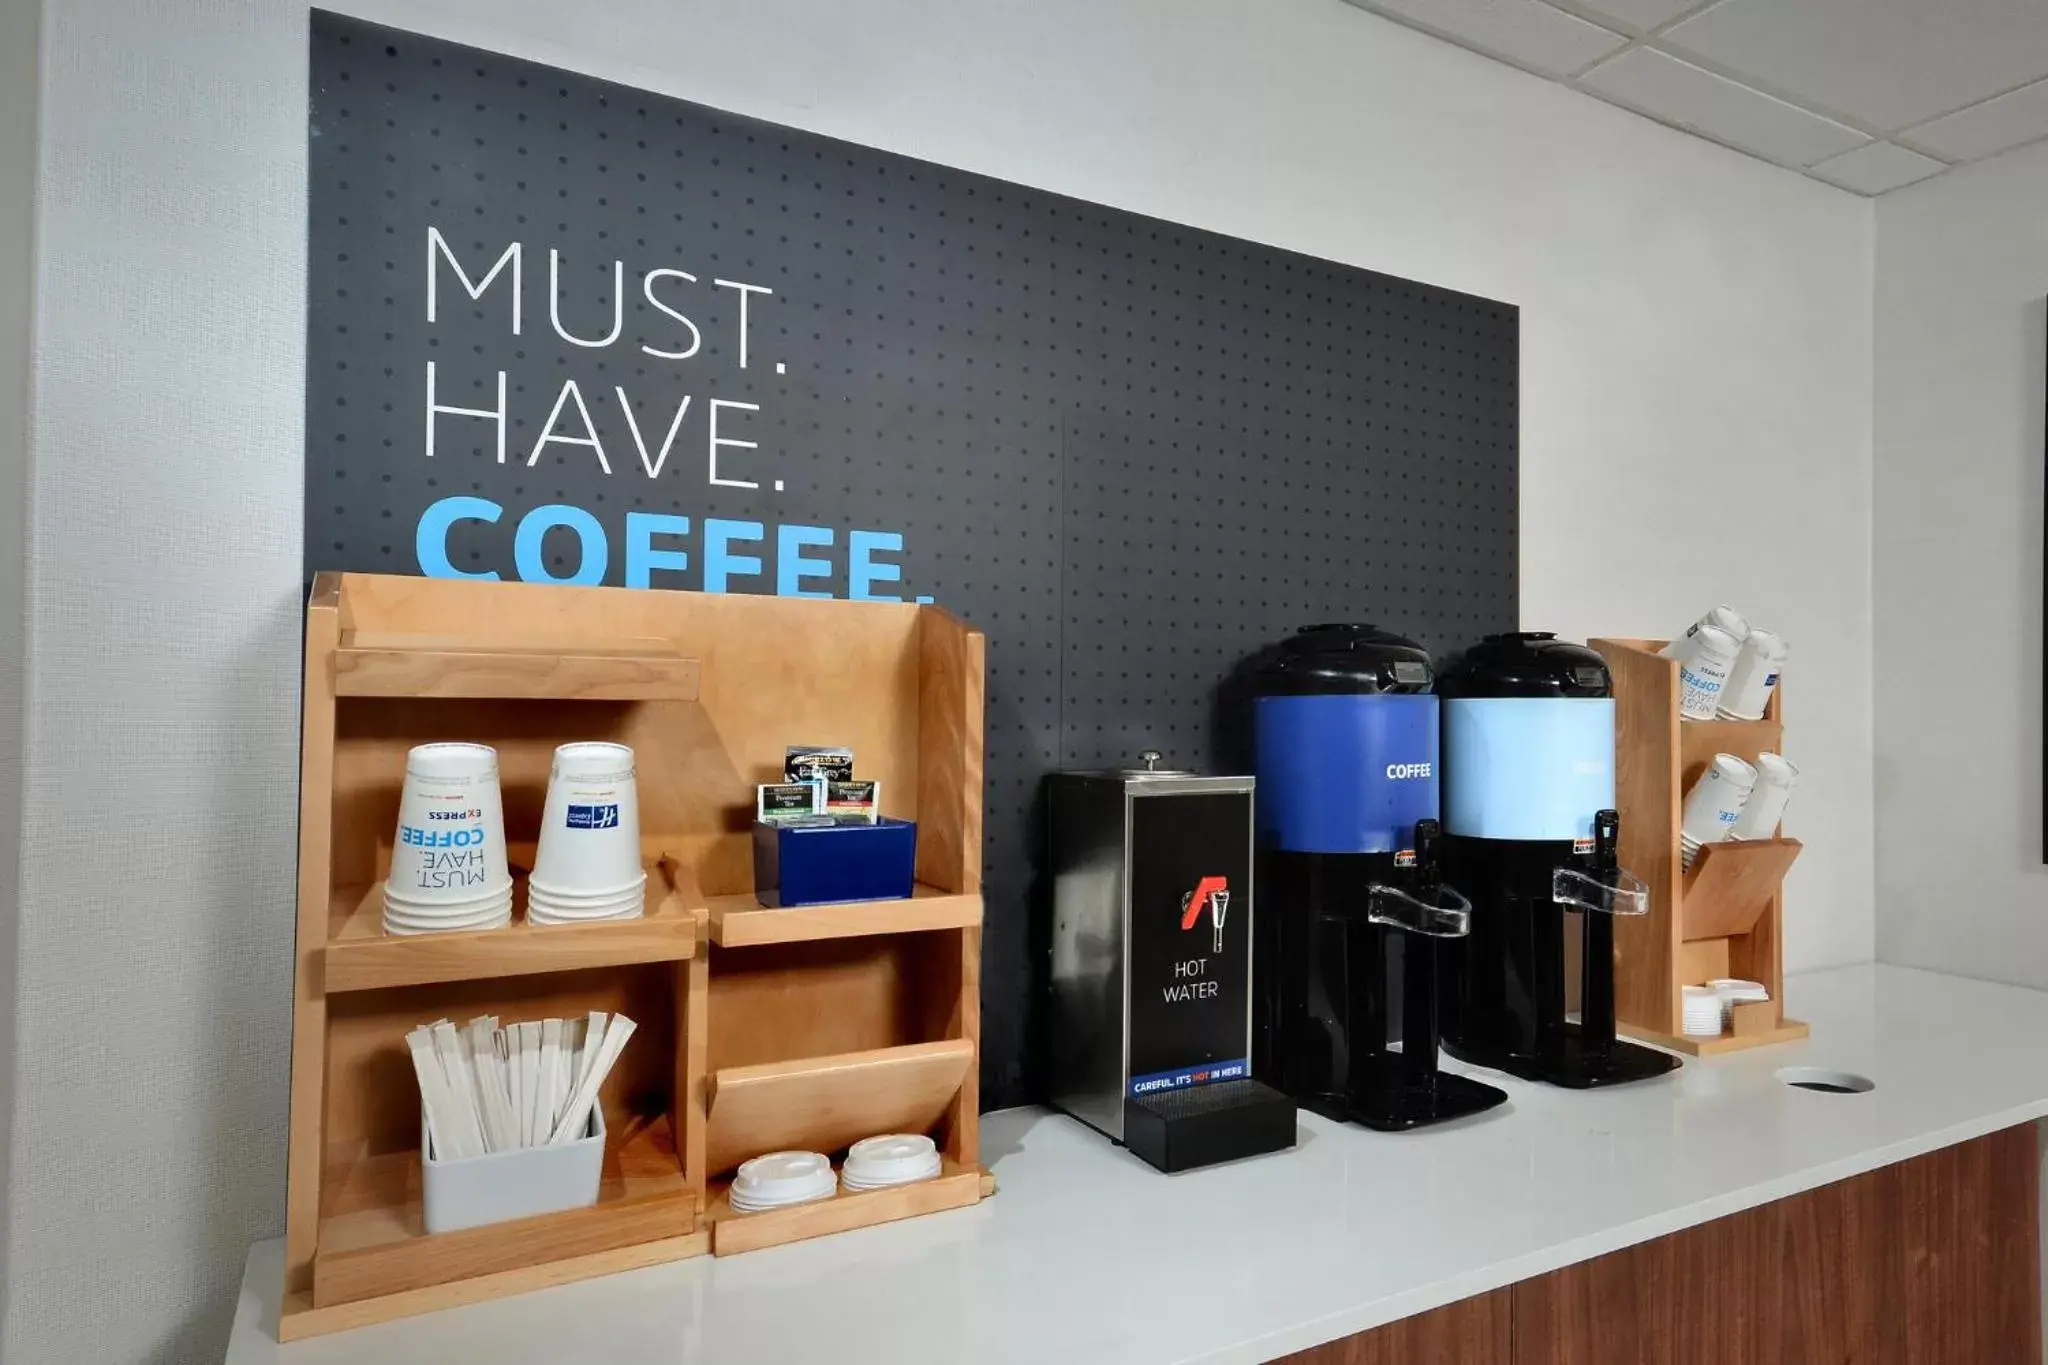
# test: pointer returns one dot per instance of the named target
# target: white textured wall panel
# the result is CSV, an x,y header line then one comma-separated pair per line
x,y
1962,268
19,23
159,832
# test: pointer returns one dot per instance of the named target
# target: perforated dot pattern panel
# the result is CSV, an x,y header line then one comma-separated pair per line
x,y
1130,451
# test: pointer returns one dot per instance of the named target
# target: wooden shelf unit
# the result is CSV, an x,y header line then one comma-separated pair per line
x,y
826,1103
812,1024
361,956
397,664
374,1243
740,921
1725,916
732,1233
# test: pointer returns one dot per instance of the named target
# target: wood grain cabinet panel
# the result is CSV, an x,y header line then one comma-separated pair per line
x,y
1934,1261
1474,1331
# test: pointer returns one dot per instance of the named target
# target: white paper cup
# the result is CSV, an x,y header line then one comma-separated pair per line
x,y
1714,803
496,917
395,909
631,896
416,910
414,905
573,900
1724,618
503,920
1765,808
1753,676
540,912
449,848
590,825
611,905
544,906
1703,671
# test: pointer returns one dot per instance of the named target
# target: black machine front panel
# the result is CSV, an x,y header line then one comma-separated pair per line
x,y
1190,944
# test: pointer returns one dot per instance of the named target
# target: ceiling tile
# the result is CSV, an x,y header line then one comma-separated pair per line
x,y
1877,167
1526,32
1699,101
1889,63
1989,127
1643,14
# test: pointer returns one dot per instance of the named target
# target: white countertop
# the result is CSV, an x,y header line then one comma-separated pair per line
x,y
1088,1255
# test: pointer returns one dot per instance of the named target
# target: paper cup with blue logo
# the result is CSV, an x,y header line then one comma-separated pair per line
x,y
448,856
1704,671
1714,804
590,828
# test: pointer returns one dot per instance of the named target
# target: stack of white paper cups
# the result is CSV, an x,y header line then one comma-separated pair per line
x,y
1714,804
1753,675
1766,805
588,864
1702,1017
1733,992
448,859
1722,618
1708,653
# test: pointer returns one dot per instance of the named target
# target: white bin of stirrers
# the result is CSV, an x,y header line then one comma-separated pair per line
x,y
472,1191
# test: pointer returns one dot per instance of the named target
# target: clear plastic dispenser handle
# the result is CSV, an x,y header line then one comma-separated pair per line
x,y
1446,915
1613,892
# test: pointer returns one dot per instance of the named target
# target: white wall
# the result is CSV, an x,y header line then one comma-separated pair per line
x,y
1962,268
1696,336
20,24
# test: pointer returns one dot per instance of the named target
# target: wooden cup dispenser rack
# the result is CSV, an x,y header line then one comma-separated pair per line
x,y
759,1029
1723,917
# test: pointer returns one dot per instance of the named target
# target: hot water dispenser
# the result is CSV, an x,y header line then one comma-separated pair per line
x,y
1154,919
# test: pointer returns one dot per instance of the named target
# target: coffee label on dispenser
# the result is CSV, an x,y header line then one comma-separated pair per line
x,y
1190,940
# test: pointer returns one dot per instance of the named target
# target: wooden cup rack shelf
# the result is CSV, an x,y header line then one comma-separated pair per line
x,y
758,1029
1723,917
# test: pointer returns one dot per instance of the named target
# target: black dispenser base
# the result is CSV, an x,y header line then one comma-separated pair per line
x,y
1178,1130
1582,1068
1579,1066
1392,1102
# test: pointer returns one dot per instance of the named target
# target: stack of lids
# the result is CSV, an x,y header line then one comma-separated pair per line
x,y
1702,1012
780,1179
1733,992
894,1159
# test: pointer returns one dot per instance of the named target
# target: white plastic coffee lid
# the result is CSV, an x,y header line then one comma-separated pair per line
x,y
1739,992
893,1158
783,1178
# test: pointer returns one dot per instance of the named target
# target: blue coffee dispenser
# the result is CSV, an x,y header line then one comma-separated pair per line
x,y
1530,833
1344,733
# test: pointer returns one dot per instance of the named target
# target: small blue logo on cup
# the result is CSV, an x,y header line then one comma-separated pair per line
x,y
593,817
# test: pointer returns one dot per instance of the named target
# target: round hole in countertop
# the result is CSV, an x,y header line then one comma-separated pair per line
x,y
1826,1081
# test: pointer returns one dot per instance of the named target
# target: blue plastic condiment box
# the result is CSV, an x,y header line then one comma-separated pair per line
x,y
820,864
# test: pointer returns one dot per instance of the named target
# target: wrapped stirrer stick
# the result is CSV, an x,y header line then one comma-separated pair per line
x,y
577,1115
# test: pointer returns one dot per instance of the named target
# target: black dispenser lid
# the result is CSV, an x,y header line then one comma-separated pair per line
x,y
1342,658
1526,663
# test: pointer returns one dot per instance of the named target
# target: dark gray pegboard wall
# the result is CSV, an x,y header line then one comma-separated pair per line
x,y
1130,451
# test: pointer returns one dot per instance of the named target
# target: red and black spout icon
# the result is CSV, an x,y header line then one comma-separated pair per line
x,y
1211,895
